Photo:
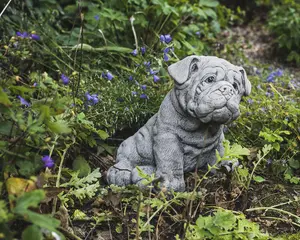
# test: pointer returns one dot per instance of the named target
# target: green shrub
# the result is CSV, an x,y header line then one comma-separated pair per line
x,y
271,116
283,22
224,224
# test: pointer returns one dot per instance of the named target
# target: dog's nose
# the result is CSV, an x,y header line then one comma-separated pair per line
x,y
226,90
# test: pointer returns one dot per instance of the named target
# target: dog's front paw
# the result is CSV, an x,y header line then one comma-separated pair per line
x,y
118,177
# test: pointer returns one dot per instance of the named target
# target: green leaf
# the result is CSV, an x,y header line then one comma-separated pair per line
x,y
60,127
258,179
225,219
208,3
294,163
276,146
6,128
32,232
29,199
102,134
4,98
237,149
89,48
32,199
81,165
43,221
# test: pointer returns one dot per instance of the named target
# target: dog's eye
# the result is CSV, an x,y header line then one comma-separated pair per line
x,y
235,86
210,79
194,68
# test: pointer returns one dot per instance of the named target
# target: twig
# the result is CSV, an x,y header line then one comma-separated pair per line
x,y
137,236
134,33
5,8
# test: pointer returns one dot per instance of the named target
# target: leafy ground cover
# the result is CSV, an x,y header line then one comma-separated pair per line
x,y
79,77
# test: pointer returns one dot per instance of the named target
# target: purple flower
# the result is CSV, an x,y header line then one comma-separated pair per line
x,y
143,96
23,101
143,87
155,78
269,94
35,37
88,96
130,78
65,79
258,72
103,75
165,38
153,72
97,17
35,84
143,50
109,76
134,52
48,161
279,72
250,101
162,38
92,99
258,86
263,109
271,77
147,64
166,58
167,49
22,35
198,33
168,38
133,93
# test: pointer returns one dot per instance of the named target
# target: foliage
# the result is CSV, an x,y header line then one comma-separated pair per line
x,y
283,22
271,116
22,210
224,224
73,73
80,188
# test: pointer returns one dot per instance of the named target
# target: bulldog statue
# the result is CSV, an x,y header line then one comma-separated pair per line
x,y
188,128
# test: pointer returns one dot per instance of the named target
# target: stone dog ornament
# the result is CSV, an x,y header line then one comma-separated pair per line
x,y
188,128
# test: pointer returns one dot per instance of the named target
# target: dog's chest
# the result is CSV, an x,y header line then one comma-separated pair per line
x,y
196,144
199,138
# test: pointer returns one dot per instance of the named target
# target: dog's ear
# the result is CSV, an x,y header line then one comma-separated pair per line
x,y
246,82
180,71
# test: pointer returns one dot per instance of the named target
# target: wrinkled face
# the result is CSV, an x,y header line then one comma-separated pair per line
x,y
209,88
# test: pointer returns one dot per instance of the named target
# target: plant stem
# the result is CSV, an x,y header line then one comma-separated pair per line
x,y
254,168
134,33
5,8
274,209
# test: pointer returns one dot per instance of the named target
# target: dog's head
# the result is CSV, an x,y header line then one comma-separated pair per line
x,y
209,88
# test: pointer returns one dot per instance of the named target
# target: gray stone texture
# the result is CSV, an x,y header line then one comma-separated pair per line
x,y
188,128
